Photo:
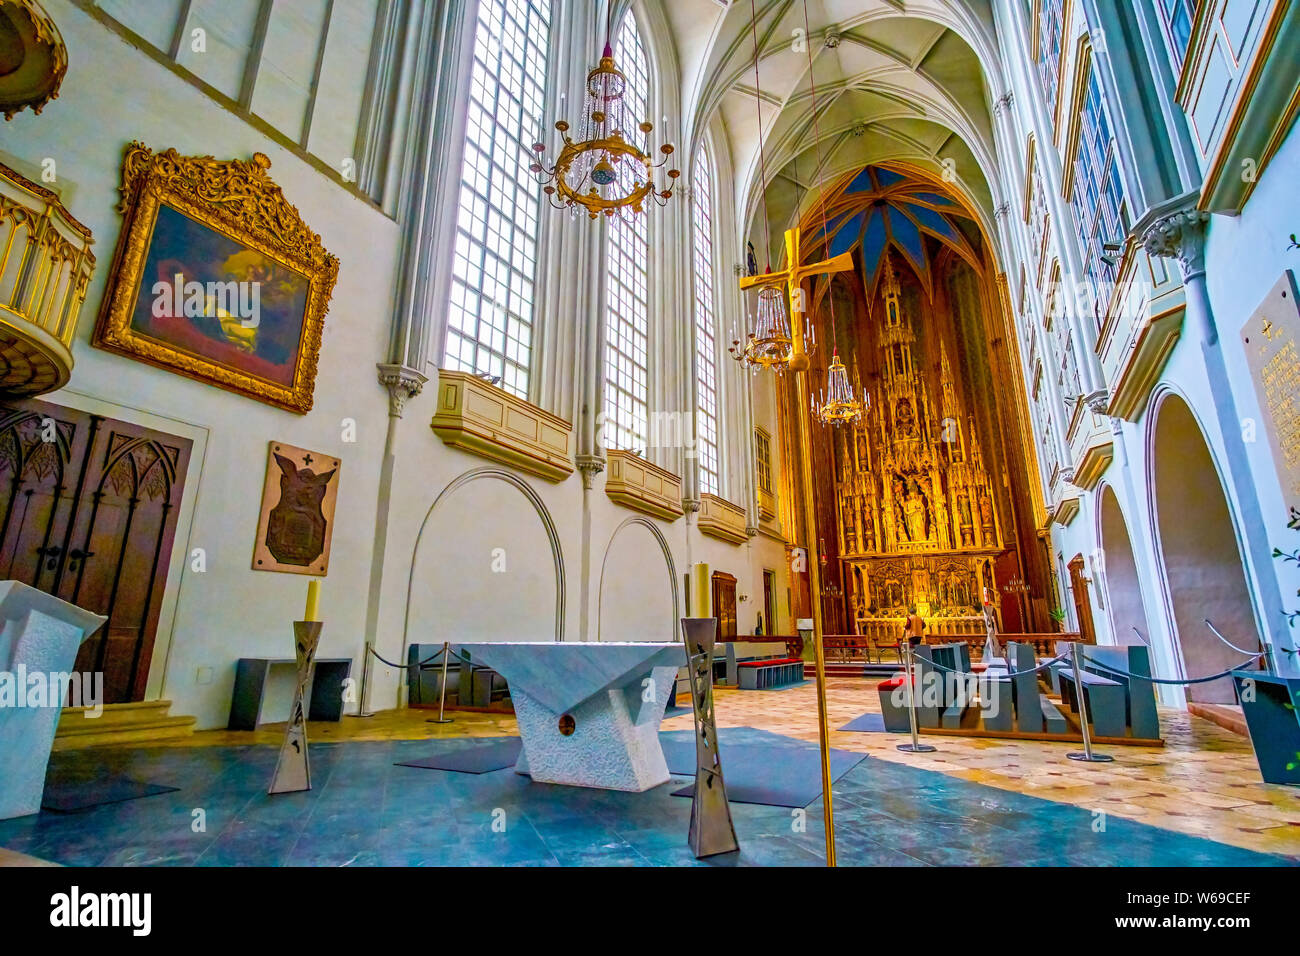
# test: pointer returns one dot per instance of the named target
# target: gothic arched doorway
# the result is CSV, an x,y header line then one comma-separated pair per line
x,y
1123,591
1198,546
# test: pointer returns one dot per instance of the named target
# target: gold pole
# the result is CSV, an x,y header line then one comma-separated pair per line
x,y
814,592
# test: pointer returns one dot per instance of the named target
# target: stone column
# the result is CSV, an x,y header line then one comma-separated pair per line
x,y
1181,235
402,383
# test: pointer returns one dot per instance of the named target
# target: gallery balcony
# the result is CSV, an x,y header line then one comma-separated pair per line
x,y
45,266
1144,320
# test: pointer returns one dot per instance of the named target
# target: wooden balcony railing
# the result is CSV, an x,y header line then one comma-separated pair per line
x,y
45,266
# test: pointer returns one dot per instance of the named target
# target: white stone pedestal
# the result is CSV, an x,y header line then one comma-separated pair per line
x,y
615,695
39,639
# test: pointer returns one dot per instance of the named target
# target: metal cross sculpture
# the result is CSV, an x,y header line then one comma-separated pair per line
x,y
712,831
292,770
792,278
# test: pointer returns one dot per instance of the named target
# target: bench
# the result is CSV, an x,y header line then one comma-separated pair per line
x,y
1105,700
468,684
893,707
424,683
324,688
766,674
1139,694
734,653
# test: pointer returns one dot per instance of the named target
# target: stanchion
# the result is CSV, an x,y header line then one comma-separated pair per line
x,y
1087,755
442,697
365,683
915,747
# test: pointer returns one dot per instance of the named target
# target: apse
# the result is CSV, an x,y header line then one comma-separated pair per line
x,y
926,504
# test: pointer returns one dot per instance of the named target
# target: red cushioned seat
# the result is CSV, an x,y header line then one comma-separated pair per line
x,y
891,683
778,660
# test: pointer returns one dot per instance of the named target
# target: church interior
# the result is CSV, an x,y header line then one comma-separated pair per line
x,y
649,433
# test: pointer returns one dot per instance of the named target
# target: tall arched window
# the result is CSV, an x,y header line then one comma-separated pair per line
x,y
1100,211
490,317
627,292
1049,20
706,349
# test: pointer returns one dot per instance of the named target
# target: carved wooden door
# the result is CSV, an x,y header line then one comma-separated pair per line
x,y
88,511
724,604
1006,567
1082,604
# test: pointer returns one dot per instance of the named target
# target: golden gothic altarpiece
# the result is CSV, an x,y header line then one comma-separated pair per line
x,y
917,519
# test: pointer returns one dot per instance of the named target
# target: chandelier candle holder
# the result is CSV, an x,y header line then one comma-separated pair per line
x,y
609,171
770,345
838,404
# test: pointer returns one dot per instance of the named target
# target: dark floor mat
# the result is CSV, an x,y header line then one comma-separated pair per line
x,y
866,724
481,755
74,796
760,767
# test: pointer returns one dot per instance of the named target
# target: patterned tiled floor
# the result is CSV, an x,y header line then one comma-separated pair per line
x,y
1198,801
364,810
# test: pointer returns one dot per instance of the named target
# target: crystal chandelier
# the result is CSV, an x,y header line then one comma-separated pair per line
x,y
609,171
769,345
838,405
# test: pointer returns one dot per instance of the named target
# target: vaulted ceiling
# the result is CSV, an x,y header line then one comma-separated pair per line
x,y
856,83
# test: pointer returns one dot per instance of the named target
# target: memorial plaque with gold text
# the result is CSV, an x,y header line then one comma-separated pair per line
x,y
1272,353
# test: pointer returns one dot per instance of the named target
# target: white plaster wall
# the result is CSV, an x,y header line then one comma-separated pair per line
x,y
1123,587
483,569
1246,256
636,589
112,95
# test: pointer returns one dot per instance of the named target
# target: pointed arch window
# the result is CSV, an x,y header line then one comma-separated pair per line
x,y
627,253
708,442
1049,19
490,314
1100,209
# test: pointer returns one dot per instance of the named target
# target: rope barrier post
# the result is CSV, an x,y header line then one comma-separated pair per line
x,y
1087,755
915,747
365,683
442,697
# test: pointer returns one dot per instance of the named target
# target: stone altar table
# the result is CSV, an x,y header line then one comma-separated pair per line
x,y
39,639
588,712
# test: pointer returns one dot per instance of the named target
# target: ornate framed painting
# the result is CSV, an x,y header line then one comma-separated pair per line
x,y
296,525
216,277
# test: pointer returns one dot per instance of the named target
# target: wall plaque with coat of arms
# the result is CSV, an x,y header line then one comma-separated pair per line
x,y
297,520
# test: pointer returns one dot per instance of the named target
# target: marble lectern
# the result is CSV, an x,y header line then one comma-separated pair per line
x,y
39,639
589,712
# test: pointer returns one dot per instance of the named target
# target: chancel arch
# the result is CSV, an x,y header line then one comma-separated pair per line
x,y
928,502
1205,580
639,604
1121,586
487,537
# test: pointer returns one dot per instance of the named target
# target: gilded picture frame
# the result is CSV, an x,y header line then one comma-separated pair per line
x,y
216,277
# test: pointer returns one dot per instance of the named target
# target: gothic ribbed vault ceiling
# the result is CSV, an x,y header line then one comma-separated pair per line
x,y
895,82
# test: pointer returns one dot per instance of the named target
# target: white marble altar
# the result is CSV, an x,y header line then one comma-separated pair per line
x,y
615,694
39,639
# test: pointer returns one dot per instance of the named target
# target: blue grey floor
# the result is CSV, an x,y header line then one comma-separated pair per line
x,y
366,811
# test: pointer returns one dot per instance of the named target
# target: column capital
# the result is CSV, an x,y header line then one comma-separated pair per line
x,y
1003,103
1098,402
1179,235
589,466
403,383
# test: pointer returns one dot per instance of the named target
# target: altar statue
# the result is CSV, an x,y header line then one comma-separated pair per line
x,y
914,511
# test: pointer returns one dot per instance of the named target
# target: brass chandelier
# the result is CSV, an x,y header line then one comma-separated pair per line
x,y
770,344
839,404
609,171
